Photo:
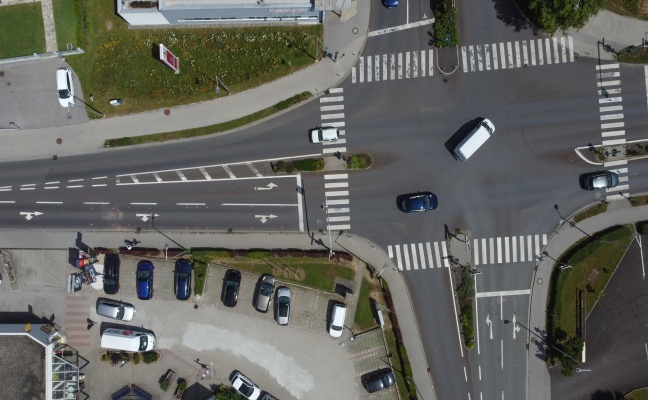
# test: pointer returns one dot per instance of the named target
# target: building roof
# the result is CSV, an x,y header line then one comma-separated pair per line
x,y
22,371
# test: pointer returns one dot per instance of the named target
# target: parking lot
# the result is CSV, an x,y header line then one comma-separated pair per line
x,y
299,361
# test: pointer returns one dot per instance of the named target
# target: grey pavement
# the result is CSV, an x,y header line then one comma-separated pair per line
x,y
619,212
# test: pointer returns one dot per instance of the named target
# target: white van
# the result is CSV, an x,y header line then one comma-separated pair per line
x,y
474,140
127,340
338,314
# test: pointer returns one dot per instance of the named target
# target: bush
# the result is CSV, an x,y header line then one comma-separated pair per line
x,y
137,358
150,357
309,164
359,161
467,326
466,288
642,227
445,27
279,166
164,385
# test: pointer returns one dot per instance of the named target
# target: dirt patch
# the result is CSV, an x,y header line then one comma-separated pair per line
x,y
109,25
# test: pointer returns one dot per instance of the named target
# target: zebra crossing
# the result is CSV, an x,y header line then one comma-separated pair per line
x,y
336,185
517,54
487,251
409,64
608,79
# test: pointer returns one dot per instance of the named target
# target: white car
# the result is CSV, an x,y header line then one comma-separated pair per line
x,y
245,386
324,134
336,325
65,87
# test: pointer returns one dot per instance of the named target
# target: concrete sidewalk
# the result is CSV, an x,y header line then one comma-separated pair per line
x,y
619,212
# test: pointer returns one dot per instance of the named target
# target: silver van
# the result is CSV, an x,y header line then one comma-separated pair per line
x,y
474,140
127,340
115,309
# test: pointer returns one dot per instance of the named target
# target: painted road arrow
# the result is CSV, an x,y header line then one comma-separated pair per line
x,y
490,325
264,218
30,215
516,328
269,186
145,217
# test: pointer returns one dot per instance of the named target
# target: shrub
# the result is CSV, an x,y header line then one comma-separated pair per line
x,y
137,357
164,385
445,27
182,384
359,161
150,357
309,164
466,288
467,325
642,227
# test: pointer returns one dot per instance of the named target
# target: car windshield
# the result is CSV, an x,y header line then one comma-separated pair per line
x,y
120,312
143,275
487,127
143,343
109,281
246,389
183,275
283,306
64,93
336,328
266,289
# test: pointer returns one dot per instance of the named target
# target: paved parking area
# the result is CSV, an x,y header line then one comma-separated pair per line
x,y
300,361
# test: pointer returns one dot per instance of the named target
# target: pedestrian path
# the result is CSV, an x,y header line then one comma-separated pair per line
x,y
394,66
336,186
486,251
517,54
608,80
77,314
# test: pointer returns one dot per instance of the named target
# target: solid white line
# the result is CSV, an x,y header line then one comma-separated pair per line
x,y
463,59
336,176
476,251
491,243
338,193
229,171
339,219
479,373
608,117
398,257
502,55
414,256
507,254
96,202
49,202
181,175
454,307
332,108
484,252
608,92
369,69
254,204
514,247
331,99
51,187
332,185
610,100
607,66
611,108
522,250
548,50
407,65
401,27
428,248
337,202
437,253
338,210
423,266
100,185
190,204
476,319
390,252
52,183
518,61
300,200
499,250
502,353
254,170
646,79
504,293
74,186
75,180
444,250
605,75
608,83
331,150
7,202
613,142
336,90
28,184
333,116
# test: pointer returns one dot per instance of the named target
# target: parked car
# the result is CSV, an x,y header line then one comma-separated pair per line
x,y
182,279
599,180
231,287
282,304
144,276
378,380
336,324
65,87
115,309
323,134
415,202
266,288
111,273
245,386
390,3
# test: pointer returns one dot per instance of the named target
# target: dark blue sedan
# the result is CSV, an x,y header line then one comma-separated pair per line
x,y
419,201
144,276
390,3
182,279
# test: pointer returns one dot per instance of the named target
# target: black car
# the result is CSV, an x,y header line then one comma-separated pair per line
x,y
419,201
231,287
111,274
378,380
182,279
599,180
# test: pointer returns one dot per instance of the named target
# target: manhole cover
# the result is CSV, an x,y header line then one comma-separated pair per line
x,y
167,111
539,281
354,30
59,141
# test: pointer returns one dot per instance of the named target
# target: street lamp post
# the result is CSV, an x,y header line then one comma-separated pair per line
x,y
563,219
328,227
539,257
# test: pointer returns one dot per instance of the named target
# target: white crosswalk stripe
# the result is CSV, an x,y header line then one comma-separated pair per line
x,y
486,251
385,67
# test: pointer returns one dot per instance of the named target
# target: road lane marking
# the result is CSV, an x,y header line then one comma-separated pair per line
x,y
519,292
190,204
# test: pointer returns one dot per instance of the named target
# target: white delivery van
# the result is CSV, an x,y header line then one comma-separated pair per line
x,y
127,340
336,325
474,140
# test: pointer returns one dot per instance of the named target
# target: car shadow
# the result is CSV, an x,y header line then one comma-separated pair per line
x,y
460,134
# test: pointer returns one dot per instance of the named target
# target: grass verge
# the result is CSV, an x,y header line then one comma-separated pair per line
x,y
637,394
207,130
590,212
364,317
65,22
21,30
359,161
593,260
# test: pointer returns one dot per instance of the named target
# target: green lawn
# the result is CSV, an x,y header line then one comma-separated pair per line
x,y
593,262
364,318
121,62
65,21
21,30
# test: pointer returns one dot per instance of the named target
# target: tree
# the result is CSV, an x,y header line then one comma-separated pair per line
x,y
572,350
552,15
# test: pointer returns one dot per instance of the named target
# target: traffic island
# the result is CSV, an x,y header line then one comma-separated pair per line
x,y
613,154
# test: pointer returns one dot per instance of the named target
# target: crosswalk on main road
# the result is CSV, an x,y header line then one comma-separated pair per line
x,y
384,67
517,54
495,250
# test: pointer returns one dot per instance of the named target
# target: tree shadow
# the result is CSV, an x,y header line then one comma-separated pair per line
x,y
602,394
508,12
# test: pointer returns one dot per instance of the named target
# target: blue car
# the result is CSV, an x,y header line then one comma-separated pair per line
x,y
419,201
144,276
182,279
390,3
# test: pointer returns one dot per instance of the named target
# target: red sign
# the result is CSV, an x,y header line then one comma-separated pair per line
x,y
169,59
